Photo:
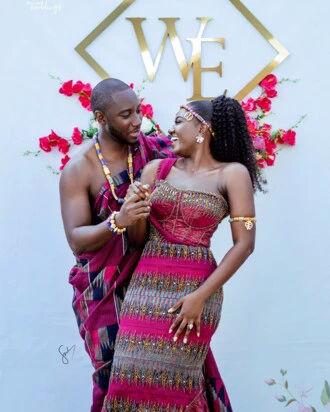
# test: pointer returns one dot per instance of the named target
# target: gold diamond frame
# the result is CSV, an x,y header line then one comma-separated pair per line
x,y
282,52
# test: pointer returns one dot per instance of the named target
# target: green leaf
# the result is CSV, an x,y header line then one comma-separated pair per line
x,y
281,398
290,401
286,384
313,409
325,395
283,372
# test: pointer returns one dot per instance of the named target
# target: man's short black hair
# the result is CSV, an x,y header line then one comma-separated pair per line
x,y
102,93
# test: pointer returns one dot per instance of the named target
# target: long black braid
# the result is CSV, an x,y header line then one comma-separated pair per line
x,y
232,141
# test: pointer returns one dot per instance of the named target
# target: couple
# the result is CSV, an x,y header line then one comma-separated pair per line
x,y
170,307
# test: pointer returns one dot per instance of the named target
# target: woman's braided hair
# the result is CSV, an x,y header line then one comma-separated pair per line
x,y
231,141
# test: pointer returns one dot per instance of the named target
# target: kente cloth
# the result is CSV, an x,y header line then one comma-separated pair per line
x,y
150,371
99,279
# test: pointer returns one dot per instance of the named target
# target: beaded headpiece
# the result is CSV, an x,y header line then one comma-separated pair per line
x,y
190,114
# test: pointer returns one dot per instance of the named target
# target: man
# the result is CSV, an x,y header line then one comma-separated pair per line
x,y
104,261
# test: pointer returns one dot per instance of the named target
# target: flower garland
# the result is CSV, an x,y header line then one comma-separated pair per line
x,y
266,140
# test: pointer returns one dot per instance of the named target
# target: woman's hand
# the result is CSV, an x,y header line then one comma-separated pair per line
x,y
137,188
133,210
192,306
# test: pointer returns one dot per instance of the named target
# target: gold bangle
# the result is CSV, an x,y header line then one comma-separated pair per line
x,y
248,221
111,222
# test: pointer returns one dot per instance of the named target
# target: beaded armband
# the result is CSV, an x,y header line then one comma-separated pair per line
x,y
112,226
248,221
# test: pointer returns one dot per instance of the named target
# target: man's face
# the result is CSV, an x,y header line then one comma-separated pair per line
x,y
123,117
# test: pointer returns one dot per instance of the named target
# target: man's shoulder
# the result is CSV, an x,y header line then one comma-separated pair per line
x,y
80,164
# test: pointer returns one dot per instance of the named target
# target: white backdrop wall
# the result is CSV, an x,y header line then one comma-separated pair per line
x,y
276,313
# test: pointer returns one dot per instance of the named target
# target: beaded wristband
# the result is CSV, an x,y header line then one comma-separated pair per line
x,y
248,221
112,226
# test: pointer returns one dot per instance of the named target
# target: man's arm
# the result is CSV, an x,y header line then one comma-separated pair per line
x,y
82,236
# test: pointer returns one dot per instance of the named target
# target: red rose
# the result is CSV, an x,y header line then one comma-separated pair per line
x,y
64,161
271,93
147,111
261,163
259,143
270,160
253,126
77,136
269,82
131,85
53,138
63,145
78,87
265,130
264,103
87,89
289,137
270,146
66,88
86,102
249,105
44,144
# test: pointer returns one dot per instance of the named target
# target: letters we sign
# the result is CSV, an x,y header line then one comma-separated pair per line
x,y
185,67
193,63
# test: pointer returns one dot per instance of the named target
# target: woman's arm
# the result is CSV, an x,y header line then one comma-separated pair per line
x,y
137,234
241,203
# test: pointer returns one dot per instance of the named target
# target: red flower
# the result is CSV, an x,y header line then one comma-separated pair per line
x,y
265,130
253,126
44,144
131,85
249,105
87,89
271,93
264,103
269,82
270,146
53,138
289,137
147,111
86,102
78,87
261,163
270,160
66,88
77,136
63,145
278,136
64,161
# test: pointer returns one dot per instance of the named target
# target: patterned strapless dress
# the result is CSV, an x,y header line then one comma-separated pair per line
x,y
150,371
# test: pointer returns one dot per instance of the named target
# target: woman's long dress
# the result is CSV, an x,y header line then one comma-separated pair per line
x,y
150,371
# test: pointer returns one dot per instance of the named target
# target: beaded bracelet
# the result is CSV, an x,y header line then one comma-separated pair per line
x,y
112,226
248,221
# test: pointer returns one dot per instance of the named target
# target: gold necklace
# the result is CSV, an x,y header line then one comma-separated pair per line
x,y
106,170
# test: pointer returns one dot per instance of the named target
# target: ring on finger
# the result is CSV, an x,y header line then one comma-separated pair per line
x,y
190,325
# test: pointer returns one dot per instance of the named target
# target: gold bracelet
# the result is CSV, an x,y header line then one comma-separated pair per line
x,y
111,222
248,221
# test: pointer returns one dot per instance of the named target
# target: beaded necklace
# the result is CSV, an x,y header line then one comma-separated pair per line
x,y
106,170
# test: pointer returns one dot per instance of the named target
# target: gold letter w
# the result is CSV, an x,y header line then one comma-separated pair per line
x,y
185,67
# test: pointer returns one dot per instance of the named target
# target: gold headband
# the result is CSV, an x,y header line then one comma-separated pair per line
x,y
190,114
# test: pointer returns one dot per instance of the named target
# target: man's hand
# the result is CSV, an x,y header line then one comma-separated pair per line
x,y
133,210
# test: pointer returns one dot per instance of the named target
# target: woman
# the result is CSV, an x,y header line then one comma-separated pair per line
x,y
173,304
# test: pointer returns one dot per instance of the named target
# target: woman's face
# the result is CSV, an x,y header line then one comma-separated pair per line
x,y
183,134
